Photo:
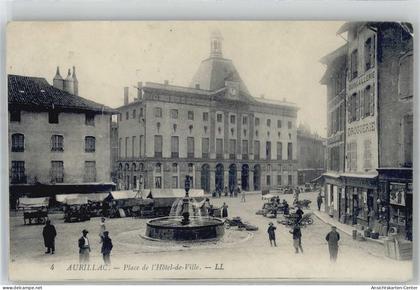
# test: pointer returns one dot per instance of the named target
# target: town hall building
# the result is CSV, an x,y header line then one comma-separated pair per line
x,y
214,131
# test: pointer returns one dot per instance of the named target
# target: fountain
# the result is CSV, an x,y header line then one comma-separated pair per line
x,y
187,221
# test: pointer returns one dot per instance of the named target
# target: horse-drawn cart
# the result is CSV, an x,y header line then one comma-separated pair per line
x,y
35,210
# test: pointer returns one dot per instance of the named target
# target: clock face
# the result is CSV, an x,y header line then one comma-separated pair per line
x,y
233,91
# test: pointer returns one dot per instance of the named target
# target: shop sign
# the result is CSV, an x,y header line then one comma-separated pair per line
x,y
397,193
362,129
361,80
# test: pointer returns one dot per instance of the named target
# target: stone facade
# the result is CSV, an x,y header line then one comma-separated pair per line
x,y
311,152
221,135
378,129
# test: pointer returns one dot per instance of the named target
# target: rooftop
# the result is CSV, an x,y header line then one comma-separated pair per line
x,y
37,93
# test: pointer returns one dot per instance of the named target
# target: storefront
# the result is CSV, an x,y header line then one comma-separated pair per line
x,y
333,187
396,191
360,200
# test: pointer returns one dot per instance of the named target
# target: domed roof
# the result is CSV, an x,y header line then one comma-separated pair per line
x,y
214,72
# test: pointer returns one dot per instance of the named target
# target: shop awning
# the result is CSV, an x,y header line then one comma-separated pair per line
x,y
27,202
174,192
76,200
123,194
360,175
89,196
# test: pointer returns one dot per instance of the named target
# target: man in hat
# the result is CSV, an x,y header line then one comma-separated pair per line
x,y
297,238
49,234
271,234
106,248
84,248
332,238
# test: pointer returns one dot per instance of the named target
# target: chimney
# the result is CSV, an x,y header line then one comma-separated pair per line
x,y
197,86
68,83
166,82
58,81
125,96
139,90
75,82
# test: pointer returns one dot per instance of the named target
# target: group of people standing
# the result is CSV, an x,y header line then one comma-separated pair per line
x,y
49,233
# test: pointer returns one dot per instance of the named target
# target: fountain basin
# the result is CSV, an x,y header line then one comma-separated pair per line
x,y
171,228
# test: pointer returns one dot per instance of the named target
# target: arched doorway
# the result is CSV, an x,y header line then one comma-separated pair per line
x,y
205,178
232,177
257,177
134,174
219,177
245,177
127,176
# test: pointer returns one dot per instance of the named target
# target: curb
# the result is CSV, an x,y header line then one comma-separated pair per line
x,y
378,241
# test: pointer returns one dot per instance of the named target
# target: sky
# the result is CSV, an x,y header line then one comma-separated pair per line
x,y
277,59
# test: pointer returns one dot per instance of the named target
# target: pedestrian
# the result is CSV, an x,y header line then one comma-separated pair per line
x,y
106,248
299,214
271,234
49,233
219,192
102,228
224,210
332,238
226,191
84,248
285,207
297,239
242,195
319,200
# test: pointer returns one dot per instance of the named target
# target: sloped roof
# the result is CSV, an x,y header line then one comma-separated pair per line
x,y
214,71
37,92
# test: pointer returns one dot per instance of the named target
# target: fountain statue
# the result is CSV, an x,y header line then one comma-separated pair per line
x,y
188,220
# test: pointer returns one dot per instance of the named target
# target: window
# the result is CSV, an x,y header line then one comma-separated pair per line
x,y
368,107
158,182
278,179
407,141
369,54
57,171
405,77
205,147
158,168
57,143
367,154
268,122
119,147
18,142
174,146
127,115
290,179
268,150
190,147
90,119
158,145
257,121
279,151
256,150
245,149
232,148
353,107
205,116
354,64
158,112
232,119
289,125
53,117
190,115
134,114
174,114
268,179
175,182
335,158
219,148
90,171
141,146
15,116
126,147
289,151
141,113
133,146
89,144
278,123
245,120
18,172
219,118
352,156
174,168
